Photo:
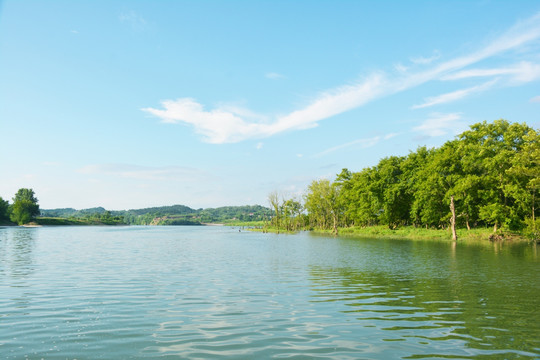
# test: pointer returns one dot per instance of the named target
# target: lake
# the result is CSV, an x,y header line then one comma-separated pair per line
x,y
217,292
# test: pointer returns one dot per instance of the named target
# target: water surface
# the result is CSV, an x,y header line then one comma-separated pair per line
x,y
215,292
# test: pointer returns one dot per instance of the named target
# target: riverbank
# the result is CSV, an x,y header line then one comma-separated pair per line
x,y
412,233
409,232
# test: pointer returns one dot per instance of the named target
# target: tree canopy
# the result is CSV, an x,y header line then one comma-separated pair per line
x,y
4,206
25,207
491,171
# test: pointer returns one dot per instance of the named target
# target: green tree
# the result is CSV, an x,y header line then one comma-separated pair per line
x,y
274,200
491,149
4,206
25,206
526,172
322,204
393,192
291,211
362,202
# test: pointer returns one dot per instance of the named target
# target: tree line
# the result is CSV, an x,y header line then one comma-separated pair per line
x,y
23,210
162,215
488,176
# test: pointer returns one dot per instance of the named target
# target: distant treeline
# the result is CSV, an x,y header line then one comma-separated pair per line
x,y
164,215
492,173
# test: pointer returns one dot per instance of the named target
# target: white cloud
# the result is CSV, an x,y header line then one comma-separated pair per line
x,y
535,99
425,61
441,124
526,72
453,96
226,125
259,146
519,73
274,76
400,68
362,143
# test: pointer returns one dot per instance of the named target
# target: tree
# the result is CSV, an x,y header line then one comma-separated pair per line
x,y
273,199
492,149
25,206
4,206
526,170
321,202
291,211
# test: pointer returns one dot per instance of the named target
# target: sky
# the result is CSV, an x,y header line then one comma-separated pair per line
x,y
133,104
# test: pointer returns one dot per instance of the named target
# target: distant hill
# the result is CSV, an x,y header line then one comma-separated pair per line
x,y
165,215
70,212
161,210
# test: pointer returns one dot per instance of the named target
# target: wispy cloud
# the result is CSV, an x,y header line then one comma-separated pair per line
x,y
136,21
455,95
274,76
130,171
426,60
362,143
520,73
535,99
226,125
400,68
441,124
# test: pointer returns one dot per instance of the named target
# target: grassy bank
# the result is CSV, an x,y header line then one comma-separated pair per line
x,y
63,221
412,233
247,224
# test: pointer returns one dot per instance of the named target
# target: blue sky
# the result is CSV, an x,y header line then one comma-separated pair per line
x,y
131,104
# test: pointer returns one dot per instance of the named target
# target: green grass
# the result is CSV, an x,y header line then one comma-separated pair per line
x,y
410,232
63,221
407,232
244,223
60,221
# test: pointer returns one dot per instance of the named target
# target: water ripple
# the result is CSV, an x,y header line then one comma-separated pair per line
x,y
206,293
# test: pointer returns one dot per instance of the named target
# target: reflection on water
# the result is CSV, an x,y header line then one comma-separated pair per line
x,y
476,303
16,251
210,292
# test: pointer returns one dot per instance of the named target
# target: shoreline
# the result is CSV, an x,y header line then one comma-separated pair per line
x,y
412,233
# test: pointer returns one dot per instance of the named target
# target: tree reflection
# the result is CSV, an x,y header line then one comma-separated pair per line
x,y
468,296
17,247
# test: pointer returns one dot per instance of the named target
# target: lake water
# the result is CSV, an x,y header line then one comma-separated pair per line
x,y
215,292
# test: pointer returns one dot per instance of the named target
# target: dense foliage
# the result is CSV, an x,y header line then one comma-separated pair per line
x,y
25,207
164,215
492,171
4,214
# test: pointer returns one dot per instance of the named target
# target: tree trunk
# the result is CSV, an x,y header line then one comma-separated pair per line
x,y
533,219
453,220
